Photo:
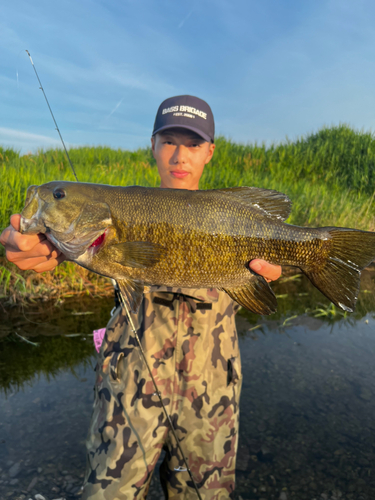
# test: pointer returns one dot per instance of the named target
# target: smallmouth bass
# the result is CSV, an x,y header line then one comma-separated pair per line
x,y
194,239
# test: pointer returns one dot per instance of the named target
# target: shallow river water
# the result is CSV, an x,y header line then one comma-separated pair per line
x,y
307,405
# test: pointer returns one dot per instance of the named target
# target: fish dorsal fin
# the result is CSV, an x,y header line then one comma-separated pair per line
x,y
276,205
255,295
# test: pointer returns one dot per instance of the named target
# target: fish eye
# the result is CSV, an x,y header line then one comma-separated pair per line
x,y
58,194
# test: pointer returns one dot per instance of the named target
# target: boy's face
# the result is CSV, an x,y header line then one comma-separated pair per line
x,y
181,156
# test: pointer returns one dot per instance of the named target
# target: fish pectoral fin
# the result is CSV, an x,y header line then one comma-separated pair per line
x,y
276,205
139,254
256,296
132,292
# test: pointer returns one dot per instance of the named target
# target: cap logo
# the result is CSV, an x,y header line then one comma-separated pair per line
x,y
187,110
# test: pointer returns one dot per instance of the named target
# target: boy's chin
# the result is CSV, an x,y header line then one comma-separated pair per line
x,y
174,183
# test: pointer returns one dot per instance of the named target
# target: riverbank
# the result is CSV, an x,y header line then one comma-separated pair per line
x,y
328,175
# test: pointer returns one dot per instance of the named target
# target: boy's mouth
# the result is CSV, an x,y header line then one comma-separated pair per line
x,y
179,174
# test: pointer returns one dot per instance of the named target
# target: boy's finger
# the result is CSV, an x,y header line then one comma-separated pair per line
x,y
15,221
270,272
49,265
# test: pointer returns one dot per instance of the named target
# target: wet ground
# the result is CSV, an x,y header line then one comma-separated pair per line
x,y
307,409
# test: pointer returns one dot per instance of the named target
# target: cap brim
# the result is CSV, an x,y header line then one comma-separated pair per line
x,y
193,129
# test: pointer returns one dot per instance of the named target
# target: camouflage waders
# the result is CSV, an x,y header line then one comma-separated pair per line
x,y
190,340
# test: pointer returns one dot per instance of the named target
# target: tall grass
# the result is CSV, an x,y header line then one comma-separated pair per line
x,y
329,176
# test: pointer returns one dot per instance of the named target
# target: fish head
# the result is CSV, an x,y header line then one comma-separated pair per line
x,y
70,214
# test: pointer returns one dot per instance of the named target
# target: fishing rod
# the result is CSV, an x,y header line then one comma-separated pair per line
x,y
125,306
49,107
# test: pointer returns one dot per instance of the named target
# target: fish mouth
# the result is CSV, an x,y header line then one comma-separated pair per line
x,y
34,225
75,247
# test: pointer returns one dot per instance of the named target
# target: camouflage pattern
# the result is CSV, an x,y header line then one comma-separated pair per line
x,y
190,340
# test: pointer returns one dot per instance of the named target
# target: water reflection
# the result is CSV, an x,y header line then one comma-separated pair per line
x,y
307,420
48,339
300,303
307,425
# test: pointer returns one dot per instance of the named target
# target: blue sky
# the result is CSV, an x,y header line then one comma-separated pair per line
x,y
268,68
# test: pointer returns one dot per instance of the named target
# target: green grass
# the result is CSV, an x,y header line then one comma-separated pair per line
x,y
329,176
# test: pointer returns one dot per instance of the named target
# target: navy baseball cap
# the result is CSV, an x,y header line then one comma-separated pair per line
x,y
186,111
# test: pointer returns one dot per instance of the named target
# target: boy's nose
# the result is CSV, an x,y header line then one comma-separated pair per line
x,y
180,154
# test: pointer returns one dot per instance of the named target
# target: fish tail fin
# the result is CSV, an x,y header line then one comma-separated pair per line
x,y
338,278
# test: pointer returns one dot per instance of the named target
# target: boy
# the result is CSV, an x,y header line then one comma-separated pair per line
x,y
190,340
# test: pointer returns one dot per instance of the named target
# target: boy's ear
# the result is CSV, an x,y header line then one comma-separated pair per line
x,y
210,152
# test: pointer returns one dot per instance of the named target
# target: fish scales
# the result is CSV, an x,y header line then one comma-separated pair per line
x,y
192,239
221,246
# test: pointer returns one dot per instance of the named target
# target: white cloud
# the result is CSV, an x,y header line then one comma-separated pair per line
x,y
103,73
25,141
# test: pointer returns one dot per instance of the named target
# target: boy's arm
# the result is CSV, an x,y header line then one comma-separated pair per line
x,y
35,252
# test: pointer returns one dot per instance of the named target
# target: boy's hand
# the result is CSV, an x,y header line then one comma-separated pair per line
x,y
269,271
31,251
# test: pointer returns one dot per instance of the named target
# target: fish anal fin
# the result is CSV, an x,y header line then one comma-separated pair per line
x,y
276,205
256,296
132,292
137,254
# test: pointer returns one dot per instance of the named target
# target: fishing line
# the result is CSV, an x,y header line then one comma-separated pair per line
x,y
124,304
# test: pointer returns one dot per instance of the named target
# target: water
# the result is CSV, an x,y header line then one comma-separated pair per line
x,y
307,426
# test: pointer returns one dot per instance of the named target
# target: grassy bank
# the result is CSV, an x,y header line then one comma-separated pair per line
x,y
329,176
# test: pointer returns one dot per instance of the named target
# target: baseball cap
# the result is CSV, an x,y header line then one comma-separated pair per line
x,y
186,111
